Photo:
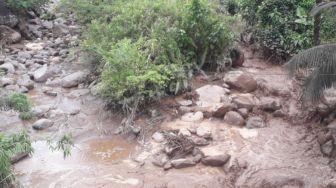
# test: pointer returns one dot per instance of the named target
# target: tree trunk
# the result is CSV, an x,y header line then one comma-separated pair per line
x,y
317,26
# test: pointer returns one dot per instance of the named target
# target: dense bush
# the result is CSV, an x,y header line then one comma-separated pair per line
x,y
24,4
150,47
282,27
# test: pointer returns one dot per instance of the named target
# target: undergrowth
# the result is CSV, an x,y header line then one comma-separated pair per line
x,y
151,48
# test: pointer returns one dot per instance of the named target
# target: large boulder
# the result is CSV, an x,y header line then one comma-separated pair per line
x,y
217,160
270,103
42,74
247,100
8,67
210,95
9,35
74,79
234,118
25,81
241,81
6,16
42,124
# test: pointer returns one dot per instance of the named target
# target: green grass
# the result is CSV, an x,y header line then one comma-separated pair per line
x,y
18,102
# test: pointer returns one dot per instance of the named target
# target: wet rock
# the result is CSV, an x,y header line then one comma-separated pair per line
x,y
192,117
234,118
167,166
210,95
328,147
8,67
42,124
247,101
221,110
241,81
217,160
270,104
42,74
25,81
184,132
158,137
9,35
6,81
204,132
13,88
53,83
49,91
255,122
185,102
182,163
243,112
199,141
78,93
160,160
73,79
279,113
7,18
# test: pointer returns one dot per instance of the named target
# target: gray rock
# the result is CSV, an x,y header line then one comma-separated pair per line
x,y
240,81
247,101
210,95
42,74
74,79
328,147
13,88
234,118
199,141
24,55
222,109
203,131
243,111
9,35
270,104
42,124
60,29
184,132
255,122
217,160
6,16
6,81
158,137
182,163
160,160
185,102
8,67
25,81
192,117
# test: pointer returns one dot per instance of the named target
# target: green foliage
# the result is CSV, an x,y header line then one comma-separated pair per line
x,y
20,103
65,144
11,145
281,27
328,28
24,4
151,48
27,115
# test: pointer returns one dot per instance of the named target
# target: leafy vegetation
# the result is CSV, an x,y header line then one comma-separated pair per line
x,y
20,103
65,144
24,4
11,145
152,48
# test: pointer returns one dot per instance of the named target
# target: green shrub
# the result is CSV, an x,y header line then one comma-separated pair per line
x,y
26,115
151,48
24,4
20,103
11,145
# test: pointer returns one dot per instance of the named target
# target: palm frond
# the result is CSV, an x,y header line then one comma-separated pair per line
x,y
321,62
322,6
